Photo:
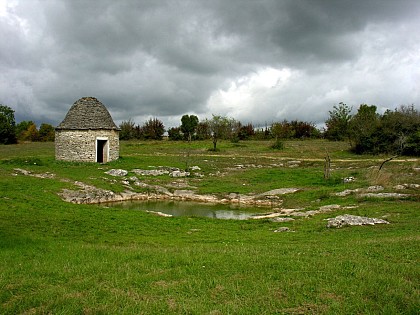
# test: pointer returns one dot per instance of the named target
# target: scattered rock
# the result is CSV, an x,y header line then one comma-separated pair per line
x,y
266,216
407,186
385,195
179,173
278,219
372,191
161,214
328,208
349,179
183,193
283,229
151,172
347,219
374,188
117,172
38,175
22,171
294,162
280,191
234,196
309,213
347,192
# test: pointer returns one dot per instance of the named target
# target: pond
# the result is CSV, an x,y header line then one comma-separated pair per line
x,y
190,209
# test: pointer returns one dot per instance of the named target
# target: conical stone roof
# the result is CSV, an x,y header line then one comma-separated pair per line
x,y
88,113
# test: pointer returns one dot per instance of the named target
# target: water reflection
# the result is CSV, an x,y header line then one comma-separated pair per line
x,y
190,209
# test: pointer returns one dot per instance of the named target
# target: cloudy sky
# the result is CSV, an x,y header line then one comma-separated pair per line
x,y
255,61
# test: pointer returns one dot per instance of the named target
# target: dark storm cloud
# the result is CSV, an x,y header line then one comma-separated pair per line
x,y
168,58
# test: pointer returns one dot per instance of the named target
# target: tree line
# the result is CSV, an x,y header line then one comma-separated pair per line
x,y
11,133
396,132
368,132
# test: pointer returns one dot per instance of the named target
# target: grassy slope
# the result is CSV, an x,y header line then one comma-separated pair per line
x,y
64,258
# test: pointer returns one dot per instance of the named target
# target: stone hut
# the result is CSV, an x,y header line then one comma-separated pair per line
x,y
87,134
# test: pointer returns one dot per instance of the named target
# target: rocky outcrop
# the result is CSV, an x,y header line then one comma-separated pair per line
x,y
171,171
375,192
385,195
347,219
87,194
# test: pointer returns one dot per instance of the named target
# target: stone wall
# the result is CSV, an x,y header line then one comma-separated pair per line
x,y
80,145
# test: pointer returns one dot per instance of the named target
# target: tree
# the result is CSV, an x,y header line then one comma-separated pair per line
x,y
398,131
219,128
7,125
363,130
153,129
203,130
32,133
295,129
174,134
128,130
189,125
246,131
338,122
303,129
46,132
22,128
282,130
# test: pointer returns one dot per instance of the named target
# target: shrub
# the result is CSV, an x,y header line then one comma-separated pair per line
x,y
278,145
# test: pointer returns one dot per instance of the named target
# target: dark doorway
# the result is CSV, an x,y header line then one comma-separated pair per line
x,y
100,147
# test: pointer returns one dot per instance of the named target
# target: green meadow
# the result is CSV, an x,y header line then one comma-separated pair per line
x,y
62,258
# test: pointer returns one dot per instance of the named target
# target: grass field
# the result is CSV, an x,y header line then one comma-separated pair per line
x,y
62,258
